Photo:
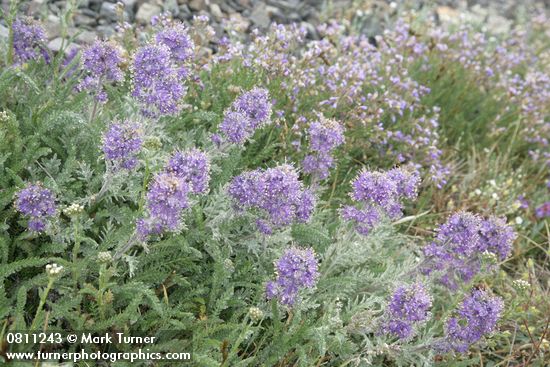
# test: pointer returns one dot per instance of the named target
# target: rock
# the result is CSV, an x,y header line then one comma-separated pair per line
x,y
185,12
498,24
216,11
447,14
109,11
86,37
146,12
56,44
244,3
172,7
84,20
89,13
259,16
276,14
52,26
105,31
197,5
4,33
240,23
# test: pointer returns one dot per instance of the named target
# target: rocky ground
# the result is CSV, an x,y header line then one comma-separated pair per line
x,y
95,18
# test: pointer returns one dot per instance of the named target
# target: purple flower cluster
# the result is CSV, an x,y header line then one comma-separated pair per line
x,y
248,112
38,203
296,269
379,194
156,82
477,316
176,37
28,41
168,195
166,199
276,193
324,136
121,143
408,306
460,243
543,211
193,167
101,63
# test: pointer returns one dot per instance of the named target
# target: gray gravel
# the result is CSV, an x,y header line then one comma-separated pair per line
x,y
99,18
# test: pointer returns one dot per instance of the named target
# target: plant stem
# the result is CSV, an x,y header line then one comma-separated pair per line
x,y
76,249
43,298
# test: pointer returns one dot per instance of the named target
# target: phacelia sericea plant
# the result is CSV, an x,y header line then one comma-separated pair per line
x,y
409,306
475,317
176,37
121,143
295,270
156,83
101,64
378,195
456,253
193,166
275,194
248,112
324,136
168,195
29,41
38,203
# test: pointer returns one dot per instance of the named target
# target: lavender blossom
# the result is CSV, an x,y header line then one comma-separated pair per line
x,y
236,127
276,193
101,62
476,316
37,203
364,220
121,143
379,194
28,41
193,167
177,39
255,104
325,135
296,269
543,211
156,83
456,253
318,165
408,306
249,111
496,237
166,199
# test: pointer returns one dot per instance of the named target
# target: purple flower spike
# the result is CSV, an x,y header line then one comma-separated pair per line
x,y
543,211
408,306
192,166
156,83
37,203
255,104
476,316
121,143
235,126
101,62
177,39
166,199
456,253
28,41
378,194
276,193
296,269
325,135
249,111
